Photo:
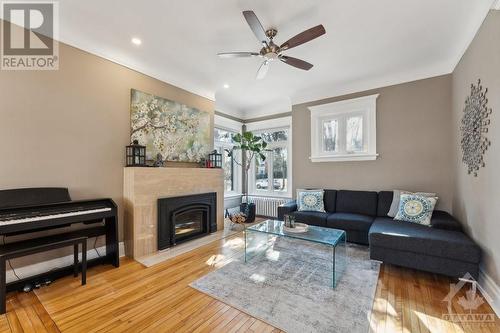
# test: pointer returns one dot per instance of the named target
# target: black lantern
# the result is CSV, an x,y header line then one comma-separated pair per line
x,y
214,160
135,154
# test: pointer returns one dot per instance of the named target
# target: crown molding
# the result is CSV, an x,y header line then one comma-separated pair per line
x,y
227,123
269,123
229,110
339,89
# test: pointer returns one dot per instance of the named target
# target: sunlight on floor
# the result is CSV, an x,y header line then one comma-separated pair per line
x,y
381,305
257,277
384,315
426,319
234,243
272,255
218,260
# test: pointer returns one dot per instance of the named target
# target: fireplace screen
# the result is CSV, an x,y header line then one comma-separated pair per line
x,y
189,224
184,218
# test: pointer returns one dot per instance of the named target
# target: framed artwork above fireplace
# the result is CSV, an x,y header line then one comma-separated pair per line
x,y
176,131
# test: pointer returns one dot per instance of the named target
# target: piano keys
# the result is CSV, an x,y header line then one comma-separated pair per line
x,y
35,216
29,218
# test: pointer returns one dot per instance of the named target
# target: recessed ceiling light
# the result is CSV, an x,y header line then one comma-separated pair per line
x,y
136,41
226,86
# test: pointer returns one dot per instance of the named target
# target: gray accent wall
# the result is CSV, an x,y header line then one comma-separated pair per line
x,y
476,199
413,140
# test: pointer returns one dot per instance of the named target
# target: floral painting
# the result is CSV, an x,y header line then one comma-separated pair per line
x,y
176,131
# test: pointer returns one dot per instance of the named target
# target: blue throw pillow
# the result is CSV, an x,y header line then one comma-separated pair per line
x,y
310,200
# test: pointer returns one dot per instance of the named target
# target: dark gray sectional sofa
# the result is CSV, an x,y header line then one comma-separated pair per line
x,y
440,248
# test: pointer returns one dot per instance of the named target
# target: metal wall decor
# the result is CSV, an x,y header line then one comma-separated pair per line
x,y
474,127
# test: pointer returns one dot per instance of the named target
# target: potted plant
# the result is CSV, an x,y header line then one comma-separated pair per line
x,y
251,146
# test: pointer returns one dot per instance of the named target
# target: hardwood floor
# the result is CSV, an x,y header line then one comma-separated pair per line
x,y
133,298
411,301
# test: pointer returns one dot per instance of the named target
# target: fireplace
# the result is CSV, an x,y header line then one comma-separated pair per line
x,y
184,218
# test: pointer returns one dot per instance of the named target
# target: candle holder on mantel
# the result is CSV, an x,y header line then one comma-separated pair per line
x,y
135,155
214,160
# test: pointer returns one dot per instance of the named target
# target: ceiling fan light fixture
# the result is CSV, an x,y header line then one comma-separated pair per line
x,y
270,51
271,56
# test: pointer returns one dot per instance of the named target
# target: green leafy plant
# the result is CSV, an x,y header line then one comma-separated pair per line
x,y
251,146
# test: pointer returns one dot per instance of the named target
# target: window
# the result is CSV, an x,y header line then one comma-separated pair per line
x,y
272,176
223,143
344,131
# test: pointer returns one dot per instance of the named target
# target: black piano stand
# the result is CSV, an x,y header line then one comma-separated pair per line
x,y
24,248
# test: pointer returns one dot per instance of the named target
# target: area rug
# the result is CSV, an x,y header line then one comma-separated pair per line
x,y
289,287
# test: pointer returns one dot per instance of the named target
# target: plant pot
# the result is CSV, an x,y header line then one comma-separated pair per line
x,y
249,211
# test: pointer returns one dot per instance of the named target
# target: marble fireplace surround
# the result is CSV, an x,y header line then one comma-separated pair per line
x,y
144,186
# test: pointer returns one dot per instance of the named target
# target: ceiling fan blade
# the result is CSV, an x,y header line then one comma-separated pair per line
x,y
304,37
238,54
301,64
261,73
255,25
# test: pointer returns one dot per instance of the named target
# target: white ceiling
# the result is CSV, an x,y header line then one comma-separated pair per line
x,y
368,44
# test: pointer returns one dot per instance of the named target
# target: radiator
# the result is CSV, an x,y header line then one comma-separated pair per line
x,y
267,206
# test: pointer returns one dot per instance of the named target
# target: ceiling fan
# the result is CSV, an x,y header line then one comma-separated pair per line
x,y
270,51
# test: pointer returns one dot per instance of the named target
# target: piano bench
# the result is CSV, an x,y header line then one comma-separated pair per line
x,y
37,245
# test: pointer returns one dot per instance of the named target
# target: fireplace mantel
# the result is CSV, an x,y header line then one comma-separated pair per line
x,y
144,186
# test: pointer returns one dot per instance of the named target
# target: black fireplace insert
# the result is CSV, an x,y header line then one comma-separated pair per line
x,y
186,217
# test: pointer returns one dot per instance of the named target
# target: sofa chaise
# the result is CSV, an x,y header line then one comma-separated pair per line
x,y
441,248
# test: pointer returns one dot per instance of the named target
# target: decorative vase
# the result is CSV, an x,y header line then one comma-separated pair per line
x,y
249,211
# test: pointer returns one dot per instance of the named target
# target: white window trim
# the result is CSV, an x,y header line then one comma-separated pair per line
x,y
273,124
233,126
367,106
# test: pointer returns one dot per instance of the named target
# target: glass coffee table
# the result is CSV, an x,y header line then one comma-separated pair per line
x,y
319,235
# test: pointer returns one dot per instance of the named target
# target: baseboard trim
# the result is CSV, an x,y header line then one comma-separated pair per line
x,y
44,266
490,290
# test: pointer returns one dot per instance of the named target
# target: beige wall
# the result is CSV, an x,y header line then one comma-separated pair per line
x,y
476,198
70,127
413,140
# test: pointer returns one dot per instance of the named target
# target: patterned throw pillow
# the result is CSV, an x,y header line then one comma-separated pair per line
x,y
416,208
310,200
396,197
299,190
